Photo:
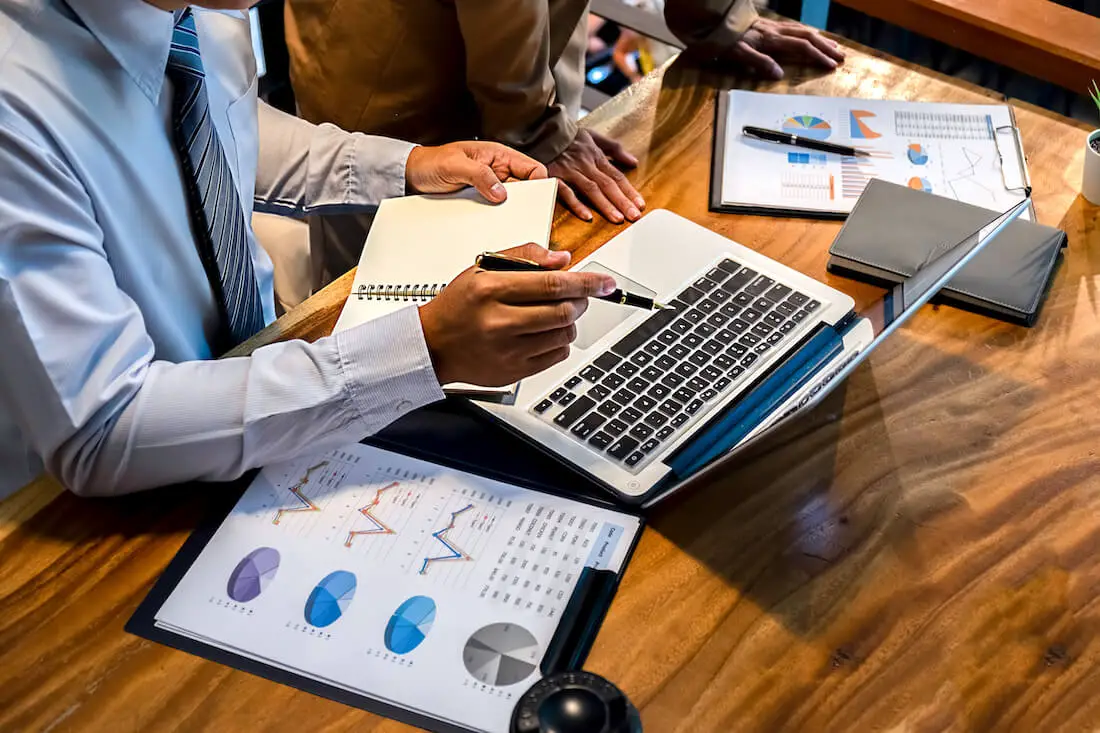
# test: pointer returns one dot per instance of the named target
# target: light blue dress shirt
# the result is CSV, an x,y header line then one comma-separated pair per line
x,y
106,376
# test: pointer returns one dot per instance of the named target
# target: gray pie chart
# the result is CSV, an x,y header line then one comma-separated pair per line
x,y
501,654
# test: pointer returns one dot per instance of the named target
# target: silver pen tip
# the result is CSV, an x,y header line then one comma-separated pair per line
x,y
662,306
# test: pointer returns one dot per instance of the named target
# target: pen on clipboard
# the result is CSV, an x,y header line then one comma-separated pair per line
x,y
785,138
497,262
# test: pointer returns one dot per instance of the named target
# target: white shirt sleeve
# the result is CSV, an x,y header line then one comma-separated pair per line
x,y
79,371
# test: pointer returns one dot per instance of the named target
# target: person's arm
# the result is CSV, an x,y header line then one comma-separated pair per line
x,y
732,30
80,376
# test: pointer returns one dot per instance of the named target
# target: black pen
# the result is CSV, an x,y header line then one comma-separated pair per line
x,y
497,262
784,138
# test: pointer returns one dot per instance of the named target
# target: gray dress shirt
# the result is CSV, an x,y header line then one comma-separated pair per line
x,y
106,314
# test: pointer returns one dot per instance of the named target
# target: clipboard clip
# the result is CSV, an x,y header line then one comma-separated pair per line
x,y
580,621
1018,142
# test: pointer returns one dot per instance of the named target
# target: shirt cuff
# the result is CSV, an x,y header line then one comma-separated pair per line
x,y
742,14
387,369
375,169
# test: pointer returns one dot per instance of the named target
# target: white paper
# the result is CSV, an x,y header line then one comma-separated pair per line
x,y
951,150
481,569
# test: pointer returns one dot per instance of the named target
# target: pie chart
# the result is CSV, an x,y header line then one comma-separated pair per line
x,y
410,624
330,599
920,184
807,126
917,154
253,574
501,654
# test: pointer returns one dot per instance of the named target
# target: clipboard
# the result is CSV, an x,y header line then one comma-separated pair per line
x,y
576,629
971,153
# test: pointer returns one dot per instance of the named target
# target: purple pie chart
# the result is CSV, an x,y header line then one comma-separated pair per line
x,y
252,574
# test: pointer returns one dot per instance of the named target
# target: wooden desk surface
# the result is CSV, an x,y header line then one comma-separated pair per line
x,y
929,561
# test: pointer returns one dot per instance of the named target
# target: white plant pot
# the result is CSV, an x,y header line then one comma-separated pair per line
x,y
1090,181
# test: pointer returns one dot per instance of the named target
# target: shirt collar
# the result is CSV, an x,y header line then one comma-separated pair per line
x,y
138,35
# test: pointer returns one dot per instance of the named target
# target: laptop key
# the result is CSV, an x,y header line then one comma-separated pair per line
x,y
811,306
737,326
707,306
683,394
799,316
787,326
558,393
641,358
737,349
626,369
798,299
751,315
567,398
704,284
644,332
713,347
630,415
773,319
641,431
681,326
742,299
588,425
613,381
664,363
719,295
637,385
543,406
615,427
711,372
609,408
693,407
707,395
659,391
622,447
721,384
680,419
722,361
656,419
572,382
672,379
651,374
694,315
592,374
739,280
730,309
649,445
784,308
690,295
729,265
668,336
748,359
705,330
679,351
634,458
692,340
762,304
601,440
655,347
759,286
671,408
735,372
686,369
717,274
761,329
645,403
606,361
698,384
761,347
598,392
718,320
777,292
574,412
699,358
775,338
749,339
665,432
725,336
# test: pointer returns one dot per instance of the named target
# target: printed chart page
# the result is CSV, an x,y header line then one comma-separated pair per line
x,y
964,152
397,579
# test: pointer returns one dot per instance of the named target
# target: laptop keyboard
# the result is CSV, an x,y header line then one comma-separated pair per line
x,y
639,394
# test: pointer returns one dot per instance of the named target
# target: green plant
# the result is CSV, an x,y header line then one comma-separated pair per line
x,y
1094,93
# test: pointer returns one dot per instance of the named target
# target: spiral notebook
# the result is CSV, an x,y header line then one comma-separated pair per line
x,y
417,244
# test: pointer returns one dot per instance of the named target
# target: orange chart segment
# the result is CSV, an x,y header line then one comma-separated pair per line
x,y
298,492
859,129
379,527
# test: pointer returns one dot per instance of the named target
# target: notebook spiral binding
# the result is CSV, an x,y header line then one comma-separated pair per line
x,y
408,293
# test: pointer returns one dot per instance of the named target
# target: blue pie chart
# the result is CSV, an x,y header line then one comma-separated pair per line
x,y
330,599
410,624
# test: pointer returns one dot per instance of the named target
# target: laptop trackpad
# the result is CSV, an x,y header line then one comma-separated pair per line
x,y
602,316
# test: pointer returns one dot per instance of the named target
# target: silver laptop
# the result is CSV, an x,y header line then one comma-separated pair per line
x,y
648,400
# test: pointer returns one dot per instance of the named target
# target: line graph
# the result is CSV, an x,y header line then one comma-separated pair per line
x,y
453,552
297,490
380,527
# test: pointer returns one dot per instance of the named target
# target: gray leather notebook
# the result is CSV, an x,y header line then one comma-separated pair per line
x,y
892,228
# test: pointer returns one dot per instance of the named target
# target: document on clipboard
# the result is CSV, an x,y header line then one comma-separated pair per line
x,y
404,587
968,152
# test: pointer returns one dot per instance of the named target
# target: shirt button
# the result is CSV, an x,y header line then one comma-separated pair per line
x,y
404,406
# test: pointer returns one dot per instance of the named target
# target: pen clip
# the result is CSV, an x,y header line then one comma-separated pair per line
x,y
500,256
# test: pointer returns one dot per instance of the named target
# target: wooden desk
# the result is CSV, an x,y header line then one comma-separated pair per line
x,y
929,561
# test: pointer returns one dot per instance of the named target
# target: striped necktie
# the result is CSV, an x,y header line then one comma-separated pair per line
x,y
217,219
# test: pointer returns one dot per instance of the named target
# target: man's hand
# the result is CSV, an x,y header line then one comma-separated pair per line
x,y
495,328
479,164
768,42
584,166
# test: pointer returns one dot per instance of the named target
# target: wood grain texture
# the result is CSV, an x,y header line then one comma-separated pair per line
x,y
929,560
1037,37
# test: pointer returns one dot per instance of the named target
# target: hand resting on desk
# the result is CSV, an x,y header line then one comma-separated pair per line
x,y
495,328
